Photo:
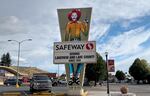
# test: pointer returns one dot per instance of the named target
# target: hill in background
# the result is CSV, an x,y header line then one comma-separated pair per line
x,y
29,70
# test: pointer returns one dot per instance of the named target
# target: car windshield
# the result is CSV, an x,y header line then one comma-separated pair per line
x,y
11,80
41,78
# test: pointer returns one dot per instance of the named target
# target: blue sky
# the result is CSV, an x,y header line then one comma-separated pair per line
x,y
121,27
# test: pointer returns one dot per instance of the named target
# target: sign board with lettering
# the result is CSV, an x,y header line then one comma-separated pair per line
x,y
111,65
74,24
75,52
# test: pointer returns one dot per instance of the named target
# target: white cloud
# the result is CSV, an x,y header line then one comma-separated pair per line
x,y
127,43
112,10
11,25
98,30
39,21
127,62
20,59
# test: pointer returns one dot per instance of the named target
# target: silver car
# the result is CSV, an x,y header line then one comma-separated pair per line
x,y
40,83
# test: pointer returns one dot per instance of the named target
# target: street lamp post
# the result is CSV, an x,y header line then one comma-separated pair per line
x,y
106,54
19,42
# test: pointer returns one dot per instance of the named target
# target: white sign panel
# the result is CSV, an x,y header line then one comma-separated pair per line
x,y
75,52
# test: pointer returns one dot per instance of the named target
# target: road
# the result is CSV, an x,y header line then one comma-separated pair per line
x,y
139,90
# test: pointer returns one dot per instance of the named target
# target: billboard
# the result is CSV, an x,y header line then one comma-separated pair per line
x,y
111,65
75,52
74,26
74,23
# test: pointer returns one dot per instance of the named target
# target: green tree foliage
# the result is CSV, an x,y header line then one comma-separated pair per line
x,y
3,60
6,60
96,72
139,69
120,75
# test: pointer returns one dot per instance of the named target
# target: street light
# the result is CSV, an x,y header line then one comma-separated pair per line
x,y
106,54
19,42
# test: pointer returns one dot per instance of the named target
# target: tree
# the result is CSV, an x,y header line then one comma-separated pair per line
x,y
120,75
96,72
139,69
8,60
5,60
101,68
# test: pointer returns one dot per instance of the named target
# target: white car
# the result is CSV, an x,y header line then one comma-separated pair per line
x,y
62,82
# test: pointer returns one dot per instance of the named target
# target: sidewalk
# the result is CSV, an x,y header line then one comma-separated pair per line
x,y
97,93
103,93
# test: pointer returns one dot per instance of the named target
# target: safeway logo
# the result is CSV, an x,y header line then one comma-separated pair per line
x,y
89,46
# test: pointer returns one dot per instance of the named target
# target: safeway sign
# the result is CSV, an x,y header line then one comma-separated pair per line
x,y
75,52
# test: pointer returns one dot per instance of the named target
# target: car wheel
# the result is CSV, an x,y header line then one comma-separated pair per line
x,y
7,84
49,91
55,84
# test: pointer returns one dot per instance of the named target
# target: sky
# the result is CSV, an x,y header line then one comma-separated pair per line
x,y
120,27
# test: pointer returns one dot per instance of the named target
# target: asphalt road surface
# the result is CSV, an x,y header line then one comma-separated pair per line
x,y
139,90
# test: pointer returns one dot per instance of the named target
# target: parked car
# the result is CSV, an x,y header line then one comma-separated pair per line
x,y
62,82
40,83
25,79
12,82
54,82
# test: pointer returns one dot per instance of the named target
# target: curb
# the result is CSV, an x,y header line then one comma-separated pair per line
x,y
11,94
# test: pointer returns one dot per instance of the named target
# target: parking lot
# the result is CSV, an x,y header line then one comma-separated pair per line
x,y
139,90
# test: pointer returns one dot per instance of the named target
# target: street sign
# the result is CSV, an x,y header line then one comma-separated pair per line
x,y
111,65
75,52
